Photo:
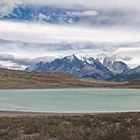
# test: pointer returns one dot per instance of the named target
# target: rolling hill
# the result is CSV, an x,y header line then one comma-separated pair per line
x,y
13,79
133,84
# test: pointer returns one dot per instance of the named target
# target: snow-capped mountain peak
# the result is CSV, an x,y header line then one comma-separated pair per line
x,y
82,56
115,66
79,65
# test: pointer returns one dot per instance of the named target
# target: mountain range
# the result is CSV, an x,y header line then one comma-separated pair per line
x,y
82,66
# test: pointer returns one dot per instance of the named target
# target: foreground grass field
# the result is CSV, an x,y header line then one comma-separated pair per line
x,y
121,126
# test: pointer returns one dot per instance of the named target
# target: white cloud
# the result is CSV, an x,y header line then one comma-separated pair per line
x,y
126,11
41,17
84,13
14,62
22,54
24,61
131,52
40,33
7,6
128,4
130,55
25,50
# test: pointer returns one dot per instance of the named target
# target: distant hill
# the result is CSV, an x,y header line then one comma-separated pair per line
x,y
11,79
133,84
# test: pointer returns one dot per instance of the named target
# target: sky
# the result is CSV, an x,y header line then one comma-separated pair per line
x,y
32,31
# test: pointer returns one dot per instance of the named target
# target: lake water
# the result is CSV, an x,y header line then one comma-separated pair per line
x,y
71,100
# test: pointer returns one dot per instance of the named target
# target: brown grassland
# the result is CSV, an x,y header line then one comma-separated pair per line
x,y
117,126
11,79
108,126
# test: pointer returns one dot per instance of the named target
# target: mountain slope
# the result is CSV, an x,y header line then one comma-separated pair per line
x,y
129,75
88,67
117,67
75,65
11,79
133,84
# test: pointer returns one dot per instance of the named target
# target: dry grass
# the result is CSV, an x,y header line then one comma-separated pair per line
x,y
10,79
123,126
133,84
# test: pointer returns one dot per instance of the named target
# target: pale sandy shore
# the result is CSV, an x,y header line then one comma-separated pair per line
x,y
19,113
36,114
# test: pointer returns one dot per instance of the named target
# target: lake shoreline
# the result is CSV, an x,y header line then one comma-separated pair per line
x,y
6,113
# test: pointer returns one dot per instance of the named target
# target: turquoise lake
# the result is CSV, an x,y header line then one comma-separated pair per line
x,y
71,100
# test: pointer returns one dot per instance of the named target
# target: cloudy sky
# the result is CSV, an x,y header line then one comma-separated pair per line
x,y
32,31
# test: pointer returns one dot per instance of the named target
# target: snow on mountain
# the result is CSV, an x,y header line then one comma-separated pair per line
x,y
80,65
117,67
77,65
